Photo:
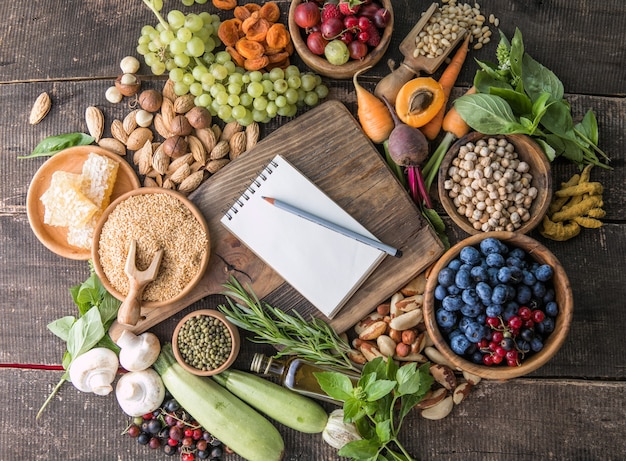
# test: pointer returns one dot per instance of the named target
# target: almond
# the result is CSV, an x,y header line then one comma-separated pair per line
x,y
95,122
181,173
168,113
237,144
118,131
160,161
207,138
113,145
138,138
213,166
161,127
229,130
40,108
168,91
252,135
130,122
197,149
220,150
191,182
175,164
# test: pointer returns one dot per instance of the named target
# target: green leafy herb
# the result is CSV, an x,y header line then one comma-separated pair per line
x,y
97,311
377,405
312,340
520,95
53,144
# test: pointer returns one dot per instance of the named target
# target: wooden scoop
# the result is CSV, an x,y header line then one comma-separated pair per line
x,y
130,310
390,85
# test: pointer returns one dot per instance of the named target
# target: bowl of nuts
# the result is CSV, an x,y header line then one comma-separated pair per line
x,y
498,305
338,39
205,343
495,183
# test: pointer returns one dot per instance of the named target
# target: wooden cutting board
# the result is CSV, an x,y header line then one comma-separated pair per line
x,y
329,147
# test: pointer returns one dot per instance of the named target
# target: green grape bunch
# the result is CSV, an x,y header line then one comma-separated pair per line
x,y
188,48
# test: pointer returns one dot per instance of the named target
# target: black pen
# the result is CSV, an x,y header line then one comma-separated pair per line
x,y
335,227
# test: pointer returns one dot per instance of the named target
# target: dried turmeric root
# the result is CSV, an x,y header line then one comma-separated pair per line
x,y
576,205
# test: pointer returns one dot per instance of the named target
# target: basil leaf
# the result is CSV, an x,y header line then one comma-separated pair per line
x,y
488,114
379,389
539,79
54,144
589,127
519,102
483,82
85,333
384,431
558,120
516,55
61,327
336,385
547,149
360,449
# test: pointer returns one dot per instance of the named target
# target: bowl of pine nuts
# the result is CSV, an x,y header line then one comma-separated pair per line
x,y
496,183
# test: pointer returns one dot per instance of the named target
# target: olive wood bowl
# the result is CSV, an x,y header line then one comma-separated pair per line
x,y
95,254
234,335
528,151
319,63
563,297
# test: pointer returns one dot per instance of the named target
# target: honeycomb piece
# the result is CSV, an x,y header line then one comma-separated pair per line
x,y
65,203
99,175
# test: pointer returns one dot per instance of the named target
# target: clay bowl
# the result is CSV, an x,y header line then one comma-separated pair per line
x,y
563,298
70,160
144,219
320,65
234,345
528,151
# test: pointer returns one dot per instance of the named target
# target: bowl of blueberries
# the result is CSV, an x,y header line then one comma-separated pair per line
x,y
498,305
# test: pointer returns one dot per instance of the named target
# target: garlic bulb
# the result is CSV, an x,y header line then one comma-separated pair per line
x,y
140,392
94,371
138,352
337,432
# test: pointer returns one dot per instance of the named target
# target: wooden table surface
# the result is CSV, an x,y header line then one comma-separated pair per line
x,y
571,409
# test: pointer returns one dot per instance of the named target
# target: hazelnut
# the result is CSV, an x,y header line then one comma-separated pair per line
x,y
199,117
128,84
180,126
150,100
175,146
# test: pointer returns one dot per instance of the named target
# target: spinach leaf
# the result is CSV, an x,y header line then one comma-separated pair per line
x,y
538,79
488,114
54,144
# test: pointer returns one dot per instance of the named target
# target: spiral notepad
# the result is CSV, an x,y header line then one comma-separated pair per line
x,y
322,265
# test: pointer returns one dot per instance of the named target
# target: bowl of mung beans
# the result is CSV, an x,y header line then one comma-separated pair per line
x,y
205,343
495,183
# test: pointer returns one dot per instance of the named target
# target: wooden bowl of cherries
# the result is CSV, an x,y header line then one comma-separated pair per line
x,y
338,39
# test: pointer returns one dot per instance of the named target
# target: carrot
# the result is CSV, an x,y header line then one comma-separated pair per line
x,y
373,115
455,128
447,80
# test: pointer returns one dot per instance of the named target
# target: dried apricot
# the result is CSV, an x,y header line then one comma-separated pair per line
x,y
225,4
242,13
270,11
277,36
256,64
249,49
278,57
228,31
235,56
255,28
252,7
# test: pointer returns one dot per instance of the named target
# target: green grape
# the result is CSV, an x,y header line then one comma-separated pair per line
x,y
221,98
271,109
239,112
321,90
170,64
258,115
247,119
281,101
276,73
267,86
217,88
233,100
177,47
199,71
219,71
292,71
148,30
260,103
181,88
221,57
187,2
207,78
245,99
177,74
307,82
188,78
283,111
208,57
272,95
292,110
157,4
206,17
150,59
245,78
183,34
153,46
181,60
158,68
318,79
255,89
142,49
201,2
280,85
224,112
236,78
230,66
196,88
255,76
204,33
214,107
301,95
203,100
176,18
166,36
294,81
311,98
193,22
195,47
292,96
234,88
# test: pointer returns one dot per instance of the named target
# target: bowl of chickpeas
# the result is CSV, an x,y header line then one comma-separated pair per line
x,y
495,183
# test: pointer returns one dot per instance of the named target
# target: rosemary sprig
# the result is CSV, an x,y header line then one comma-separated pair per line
x,y
313,340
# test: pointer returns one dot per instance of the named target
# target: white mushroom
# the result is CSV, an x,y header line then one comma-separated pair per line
x,y
138,352
94,371
140,392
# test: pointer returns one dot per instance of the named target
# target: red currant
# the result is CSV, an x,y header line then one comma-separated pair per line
x,y
529,323
172,443
363,36
497,336
488,360
364,23
512,363
515,322
500,351
197,434
188,432
497,359
351,22
538,316
493,322
512,355
483,343
187,457
524,312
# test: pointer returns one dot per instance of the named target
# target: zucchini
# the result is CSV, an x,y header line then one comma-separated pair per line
x,y
225,416
283,405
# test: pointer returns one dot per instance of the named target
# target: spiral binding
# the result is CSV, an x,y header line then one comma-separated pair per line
x,y
255,184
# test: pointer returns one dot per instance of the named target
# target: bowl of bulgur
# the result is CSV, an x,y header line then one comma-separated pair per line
x,y
495,183
156,218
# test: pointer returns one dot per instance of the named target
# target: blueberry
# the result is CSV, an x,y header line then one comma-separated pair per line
x,y
482,317
452,303
512,261
539,289
463,279
524,294
499,294
528,278
547,325
484,291
493,310
454,333
549,296
470,255
471,311
454,290
544,272
523,346
470,297
464,322
455,264
446,277
552,309
495,260
518,253
459,344
527,334
440,292
509,311
445,319
492,272
479,274
474,332
504,274
466,267
477,357
536,344
491,245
